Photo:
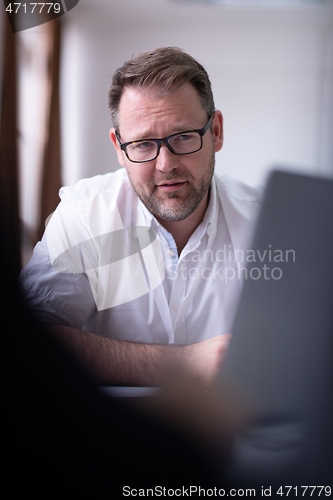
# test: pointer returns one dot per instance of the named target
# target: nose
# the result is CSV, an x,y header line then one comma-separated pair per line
x,y
166,160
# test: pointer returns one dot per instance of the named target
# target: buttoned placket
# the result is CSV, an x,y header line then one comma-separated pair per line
x,y
190,286
170,305
145,218
173,304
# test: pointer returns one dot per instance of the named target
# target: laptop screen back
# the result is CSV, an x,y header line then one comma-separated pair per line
x,y
280,354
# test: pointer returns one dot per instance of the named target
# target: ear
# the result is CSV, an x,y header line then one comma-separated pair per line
x,y
218,130
116,145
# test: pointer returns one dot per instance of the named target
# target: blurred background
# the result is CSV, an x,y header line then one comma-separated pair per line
x,y
270,63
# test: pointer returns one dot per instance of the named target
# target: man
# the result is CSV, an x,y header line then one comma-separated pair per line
x,y
137,270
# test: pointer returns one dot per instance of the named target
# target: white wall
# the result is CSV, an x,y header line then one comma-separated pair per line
x,y
271,71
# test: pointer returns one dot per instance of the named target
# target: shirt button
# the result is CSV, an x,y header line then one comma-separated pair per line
x,y
175,307
171,252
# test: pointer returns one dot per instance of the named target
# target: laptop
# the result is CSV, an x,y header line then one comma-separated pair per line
x,y
281,350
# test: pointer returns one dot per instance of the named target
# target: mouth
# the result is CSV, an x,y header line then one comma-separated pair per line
x,y
171,186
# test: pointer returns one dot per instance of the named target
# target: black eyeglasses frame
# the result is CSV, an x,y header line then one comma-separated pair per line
x,y
159,142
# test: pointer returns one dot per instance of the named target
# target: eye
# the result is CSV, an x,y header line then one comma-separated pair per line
x,y
181,140
183,137
142,145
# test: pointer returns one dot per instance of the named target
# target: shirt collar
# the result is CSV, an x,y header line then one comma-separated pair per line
x,y
208,224
211,213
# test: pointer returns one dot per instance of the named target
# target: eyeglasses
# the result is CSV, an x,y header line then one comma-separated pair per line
x,y
183,143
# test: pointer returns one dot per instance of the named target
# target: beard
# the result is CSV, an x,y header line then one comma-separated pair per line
x,y
175,206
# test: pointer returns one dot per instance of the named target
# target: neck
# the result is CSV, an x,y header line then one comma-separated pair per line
x,y
182,230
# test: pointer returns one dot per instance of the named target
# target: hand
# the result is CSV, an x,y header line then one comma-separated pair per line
x,y
204,358
211,417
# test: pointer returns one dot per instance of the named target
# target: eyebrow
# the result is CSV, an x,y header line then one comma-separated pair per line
x,y
146,136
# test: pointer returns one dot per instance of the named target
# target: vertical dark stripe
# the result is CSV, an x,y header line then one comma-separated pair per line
x,y
9,192
51,170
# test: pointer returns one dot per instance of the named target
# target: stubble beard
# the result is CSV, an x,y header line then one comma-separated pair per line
x,y
178,210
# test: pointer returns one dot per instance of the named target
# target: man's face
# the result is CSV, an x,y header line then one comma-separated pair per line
x,y
172,187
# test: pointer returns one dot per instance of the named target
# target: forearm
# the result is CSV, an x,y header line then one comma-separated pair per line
x,y
118,362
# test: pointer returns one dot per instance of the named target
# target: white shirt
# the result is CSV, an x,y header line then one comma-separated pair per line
x,y
106,265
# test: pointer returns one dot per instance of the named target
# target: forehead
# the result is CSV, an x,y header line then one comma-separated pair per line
x,y
147,110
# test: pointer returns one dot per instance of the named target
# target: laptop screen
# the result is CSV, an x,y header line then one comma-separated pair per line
x,y
280,354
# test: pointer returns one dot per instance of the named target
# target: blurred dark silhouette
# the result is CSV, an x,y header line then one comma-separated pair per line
x,y
61,435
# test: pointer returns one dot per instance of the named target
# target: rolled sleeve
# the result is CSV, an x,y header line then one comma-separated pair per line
x,y
55,297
